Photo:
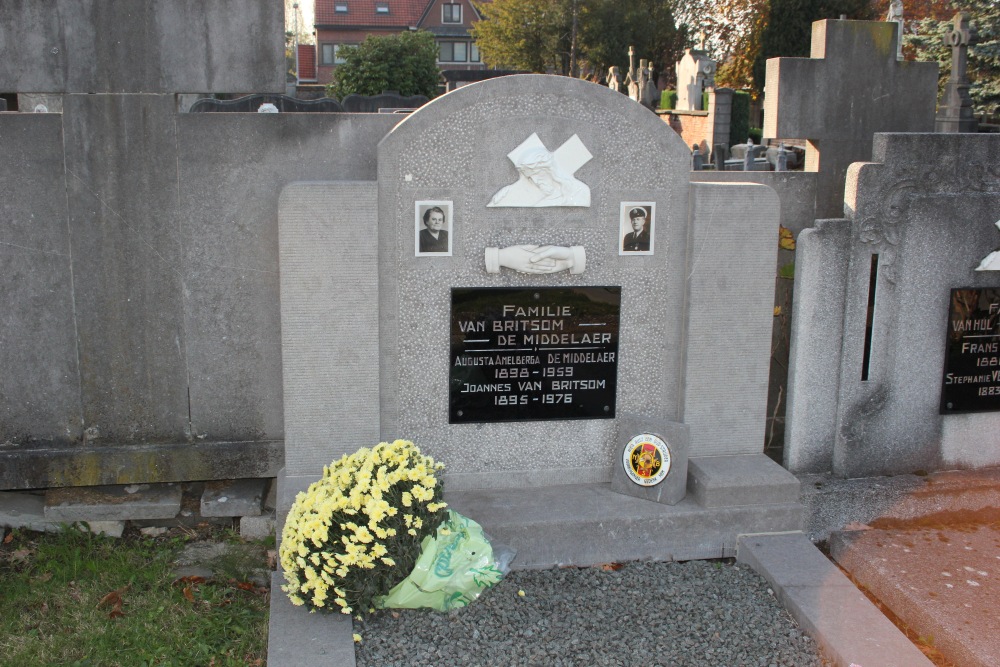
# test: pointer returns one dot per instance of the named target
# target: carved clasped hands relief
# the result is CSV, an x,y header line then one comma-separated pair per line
x,y
537,259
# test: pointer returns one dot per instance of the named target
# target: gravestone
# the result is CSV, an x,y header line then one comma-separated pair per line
x,y
955,111
516,354
695,74
894,361
141,242
850,87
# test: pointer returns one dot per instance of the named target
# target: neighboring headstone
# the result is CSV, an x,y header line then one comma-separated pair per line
x,y
720,153
955,111
895,365
695,74
895,15
614,78
851,87
697,159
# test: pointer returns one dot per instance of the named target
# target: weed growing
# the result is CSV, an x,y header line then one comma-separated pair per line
x,y
72,598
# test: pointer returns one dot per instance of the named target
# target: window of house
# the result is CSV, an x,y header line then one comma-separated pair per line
x,y
330,54
451,12
453,52
340,8
474,53
382,8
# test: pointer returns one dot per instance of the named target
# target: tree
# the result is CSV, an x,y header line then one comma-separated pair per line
x,y
788,30
406,63
607,28
538,35
529,35
984,54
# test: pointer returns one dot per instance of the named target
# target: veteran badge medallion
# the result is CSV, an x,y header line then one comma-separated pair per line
x,y
646,459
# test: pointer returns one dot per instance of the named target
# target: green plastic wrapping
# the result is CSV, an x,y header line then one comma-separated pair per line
x,y
455,566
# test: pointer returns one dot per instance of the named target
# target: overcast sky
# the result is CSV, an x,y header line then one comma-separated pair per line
x,y
306,8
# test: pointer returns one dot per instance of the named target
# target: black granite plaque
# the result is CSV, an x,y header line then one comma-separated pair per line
x,y
534,353
972,359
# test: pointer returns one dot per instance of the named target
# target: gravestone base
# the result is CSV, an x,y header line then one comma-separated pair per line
x,y
589,524
721,481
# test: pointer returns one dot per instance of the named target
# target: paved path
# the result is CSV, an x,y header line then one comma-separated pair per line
x,y
941,578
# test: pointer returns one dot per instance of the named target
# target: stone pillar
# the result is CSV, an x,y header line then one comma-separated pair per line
x,y
720,115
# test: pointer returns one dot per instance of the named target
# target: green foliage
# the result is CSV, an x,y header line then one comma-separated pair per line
x,y
984,53
739,126
756,134
788,30
606,29
526,35
406,63
668,99
537,35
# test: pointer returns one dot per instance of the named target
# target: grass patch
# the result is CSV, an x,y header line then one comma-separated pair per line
x,y
72,598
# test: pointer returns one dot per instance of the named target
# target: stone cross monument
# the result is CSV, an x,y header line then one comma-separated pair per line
x,y
955,111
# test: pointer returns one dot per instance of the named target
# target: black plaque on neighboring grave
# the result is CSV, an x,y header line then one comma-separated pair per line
x,y
972,359
533,353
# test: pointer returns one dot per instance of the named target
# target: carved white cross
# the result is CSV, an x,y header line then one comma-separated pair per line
x,y
546,178
992,260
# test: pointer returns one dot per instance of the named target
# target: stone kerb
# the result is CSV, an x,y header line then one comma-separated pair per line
x,y
917,230
455,149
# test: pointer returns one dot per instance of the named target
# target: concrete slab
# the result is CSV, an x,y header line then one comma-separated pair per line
x,y
833,503
233,497
257,527
720,481
24,510
113,503
846,625
941,578
297,637
588,524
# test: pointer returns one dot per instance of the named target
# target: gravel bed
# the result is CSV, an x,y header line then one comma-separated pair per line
x,y
696,613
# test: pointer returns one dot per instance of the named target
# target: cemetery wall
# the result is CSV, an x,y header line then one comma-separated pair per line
x,y
693,127
143,300
167,46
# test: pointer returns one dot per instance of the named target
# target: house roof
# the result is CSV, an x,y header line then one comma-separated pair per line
x,y
307,62
402,13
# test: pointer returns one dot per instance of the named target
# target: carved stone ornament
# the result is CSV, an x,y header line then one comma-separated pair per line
x,y
537,259
546,178
992,261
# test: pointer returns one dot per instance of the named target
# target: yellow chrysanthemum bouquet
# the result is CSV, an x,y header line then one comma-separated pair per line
x,y
371,533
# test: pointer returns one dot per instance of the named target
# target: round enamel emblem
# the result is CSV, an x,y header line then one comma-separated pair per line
x,y
646,459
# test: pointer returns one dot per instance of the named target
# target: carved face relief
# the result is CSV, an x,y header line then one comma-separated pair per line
x,y
546,178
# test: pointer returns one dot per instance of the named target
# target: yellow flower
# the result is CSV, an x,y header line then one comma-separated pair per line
x,y
388,561
520,594
412,532
357,638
